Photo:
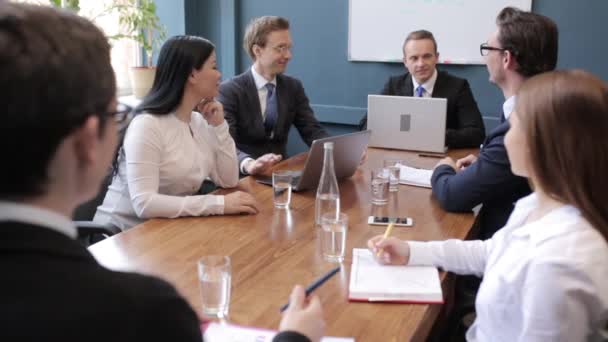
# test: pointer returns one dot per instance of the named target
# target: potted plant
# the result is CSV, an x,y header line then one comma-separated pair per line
x,y
139,22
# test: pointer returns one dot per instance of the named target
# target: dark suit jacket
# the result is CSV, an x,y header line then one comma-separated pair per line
x,y
464,126
53,289
239,96
489,181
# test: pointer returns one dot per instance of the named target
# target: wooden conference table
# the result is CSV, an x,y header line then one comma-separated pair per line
x,y
276,249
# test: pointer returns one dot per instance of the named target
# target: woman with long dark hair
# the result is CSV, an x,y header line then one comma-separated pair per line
x,y
169,150
545,273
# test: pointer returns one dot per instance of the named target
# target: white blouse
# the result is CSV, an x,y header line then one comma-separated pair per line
x,y
162,165
542,281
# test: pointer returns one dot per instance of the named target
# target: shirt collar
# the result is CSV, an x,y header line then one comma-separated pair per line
x,y
558,221
428,85
508,106
10,211
260,81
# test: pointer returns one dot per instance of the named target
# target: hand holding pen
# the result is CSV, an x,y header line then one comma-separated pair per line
x,y
302,317
389,250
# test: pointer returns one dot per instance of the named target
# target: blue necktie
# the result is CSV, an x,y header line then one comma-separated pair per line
x,y
271,109
419,91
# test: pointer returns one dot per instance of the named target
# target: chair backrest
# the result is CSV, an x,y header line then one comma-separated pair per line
x,y
86,211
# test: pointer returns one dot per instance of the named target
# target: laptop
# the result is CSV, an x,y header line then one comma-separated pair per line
x,y
407,123
348,149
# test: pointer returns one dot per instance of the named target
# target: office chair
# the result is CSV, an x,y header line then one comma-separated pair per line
x,y
90,232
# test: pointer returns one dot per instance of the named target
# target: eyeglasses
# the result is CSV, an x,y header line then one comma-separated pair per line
x,y
122,116
282,48
484,49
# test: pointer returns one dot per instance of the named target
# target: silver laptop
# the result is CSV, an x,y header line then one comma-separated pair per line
x,y
407,123
348,149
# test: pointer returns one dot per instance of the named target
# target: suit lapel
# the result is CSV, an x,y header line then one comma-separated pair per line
x,y
253,103
408,86
439,89
282,94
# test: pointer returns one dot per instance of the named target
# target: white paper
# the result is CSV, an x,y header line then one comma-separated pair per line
x,y
373,281
217,332
414,176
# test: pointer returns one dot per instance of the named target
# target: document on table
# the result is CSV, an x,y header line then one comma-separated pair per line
x,y
414,176
370,281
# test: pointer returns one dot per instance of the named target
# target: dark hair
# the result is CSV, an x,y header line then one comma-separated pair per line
x,y
419,35
178,56
258,30
55,72
531,38
564,115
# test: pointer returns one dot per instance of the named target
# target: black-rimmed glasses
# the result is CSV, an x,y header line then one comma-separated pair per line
x,y
122,116
484,49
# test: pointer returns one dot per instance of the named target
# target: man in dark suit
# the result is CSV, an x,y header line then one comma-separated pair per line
x,y
523,45
262,103
58,106
464,126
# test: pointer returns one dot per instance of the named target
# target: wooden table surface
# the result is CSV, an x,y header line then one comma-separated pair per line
x,y
276,249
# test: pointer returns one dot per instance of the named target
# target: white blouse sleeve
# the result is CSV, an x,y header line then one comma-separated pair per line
x,y
462,257
225,172
143,151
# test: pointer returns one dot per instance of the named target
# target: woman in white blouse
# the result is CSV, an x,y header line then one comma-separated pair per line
x,y
169,150
545,274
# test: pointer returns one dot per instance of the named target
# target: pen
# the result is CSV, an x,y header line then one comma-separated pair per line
x,y
387,233
316,284
429,155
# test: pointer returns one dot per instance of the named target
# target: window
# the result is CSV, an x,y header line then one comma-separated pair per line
x,y
124,52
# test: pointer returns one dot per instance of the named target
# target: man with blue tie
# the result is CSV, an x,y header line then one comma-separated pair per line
x,y
464,126
523,45
261,104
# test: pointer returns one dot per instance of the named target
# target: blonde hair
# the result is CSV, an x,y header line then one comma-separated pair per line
x,y
258,30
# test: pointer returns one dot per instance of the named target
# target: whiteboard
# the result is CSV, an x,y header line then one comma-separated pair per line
x,y
377,28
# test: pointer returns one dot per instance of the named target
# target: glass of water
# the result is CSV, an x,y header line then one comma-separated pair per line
x,y
333,236
380,181
214,274
281,187
393,166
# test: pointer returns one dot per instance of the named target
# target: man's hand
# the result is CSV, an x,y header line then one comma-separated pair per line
x,y
447,161
263,163
463,163
302,317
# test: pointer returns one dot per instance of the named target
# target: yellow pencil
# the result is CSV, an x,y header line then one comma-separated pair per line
x,y
387,233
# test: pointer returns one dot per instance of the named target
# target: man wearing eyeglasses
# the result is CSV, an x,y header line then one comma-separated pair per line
x,y
262,103
523,45
464,126
59,132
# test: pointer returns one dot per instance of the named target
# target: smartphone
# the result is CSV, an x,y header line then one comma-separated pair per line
x,y
383,221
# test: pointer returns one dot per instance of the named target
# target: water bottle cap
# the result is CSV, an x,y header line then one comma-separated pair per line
x,y
329,144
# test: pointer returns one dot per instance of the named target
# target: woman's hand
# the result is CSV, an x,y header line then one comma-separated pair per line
x,y
212,111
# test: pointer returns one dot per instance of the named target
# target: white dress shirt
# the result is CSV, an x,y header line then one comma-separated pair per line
x,y
260,84
162,165
428,85
11,211
509,106
546,280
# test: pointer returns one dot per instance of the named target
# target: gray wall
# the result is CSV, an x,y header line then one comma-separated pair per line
x,y
338,88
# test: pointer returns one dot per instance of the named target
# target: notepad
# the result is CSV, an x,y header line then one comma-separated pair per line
x,y
371,281
414,176
216,332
